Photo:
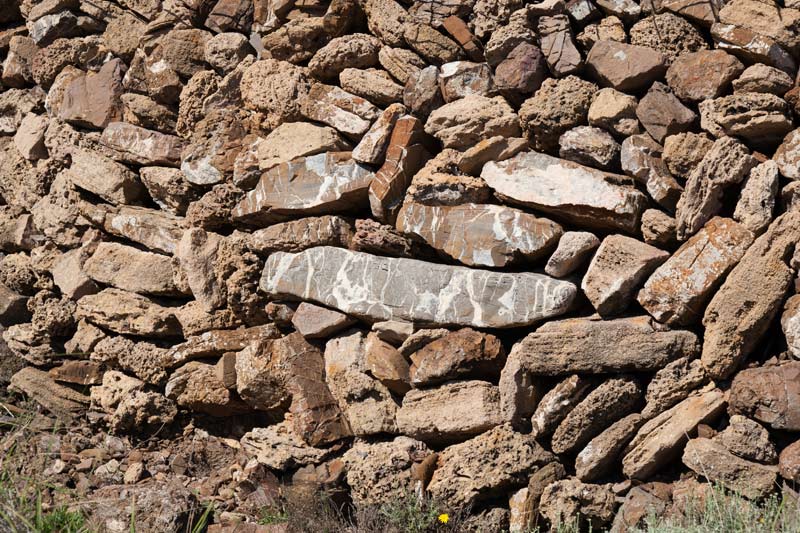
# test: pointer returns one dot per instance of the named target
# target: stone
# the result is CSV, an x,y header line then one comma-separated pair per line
x,y
464,122
29,138
614,111
375,86
421,338
449,413
431,44
197,253
279,447
213,148
143,359
557,403
701,75
301,234
760,118
168,188
131,269
594,346
662,114
523,70
462,354
595,199
617,270
790,323
357,50
569,501
711,460
151,228
140,146
684,151
226,50
472,471
752,46
393,332
661,439
405,155
331,182
625,67
678,291
422,94
760,78
789,465
669,34
439,183
15,104
609,28
462,78
725,164
366,402
297,139
104,177
589,146
497,148
115,386
640,157
742,309
69,276
289,371
461,33
765,19
93,99
383,239
351,115
216,343
558,45
142,410
558,106
768,395
315,322
371,150
600,456
384,471
308,275
642,502
787,156
480,235
276,88
748,440
574,248
60,400
401,63
128,313
17,65
607,403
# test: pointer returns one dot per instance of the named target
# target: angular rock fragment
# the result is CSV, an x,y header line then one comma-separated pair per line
x,y
569,501
314,322
140,146
92,100
60,400
625,67
371,150
463,78
741,311
464,122
151,228
662,114
311,275
357,50
298,235
760,78
462,354
523,70
195,386
579,194
618,268
672,384
326,183
751,46
677,292
726,164
29,138
641,158
712,461
790,324
789,465
215,343
431,44
365,401
661,439
607,403
280,447
349,114
768,395
480,235
759,118
594,346
603,452
669,34
748,440
451,412
787,156
497,148
104,177
422,94
128,313
558,46
702,75
130,269
557,404
499,459
373,85
400,62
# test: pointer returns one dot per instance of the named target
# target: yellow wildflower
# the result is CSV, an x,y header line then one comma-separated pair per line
x,y
444,518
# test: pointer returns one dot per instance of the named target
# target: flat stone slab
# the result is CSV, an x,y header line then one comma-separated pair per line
x,y
383,288
585,196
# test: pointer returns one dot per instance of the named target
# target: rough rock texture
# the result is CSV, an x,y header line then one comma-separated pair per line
x,y
711,460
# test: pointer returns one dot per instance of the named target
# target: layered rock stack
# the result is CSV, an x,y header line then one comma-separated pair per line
x,y
537,260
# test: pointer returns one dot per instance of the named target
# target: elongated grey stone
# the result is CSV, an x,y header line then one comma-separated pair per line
x,y
384,288
585,196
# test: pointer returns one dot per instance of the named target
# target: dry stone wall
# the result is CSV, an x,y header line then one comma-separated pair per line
x,y
537,260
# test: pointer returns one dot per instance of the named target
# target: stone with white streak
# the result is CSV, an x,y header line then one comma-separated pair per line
x,y
141,146
317,184
578,194
349,114
382,288
480,234
678,291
